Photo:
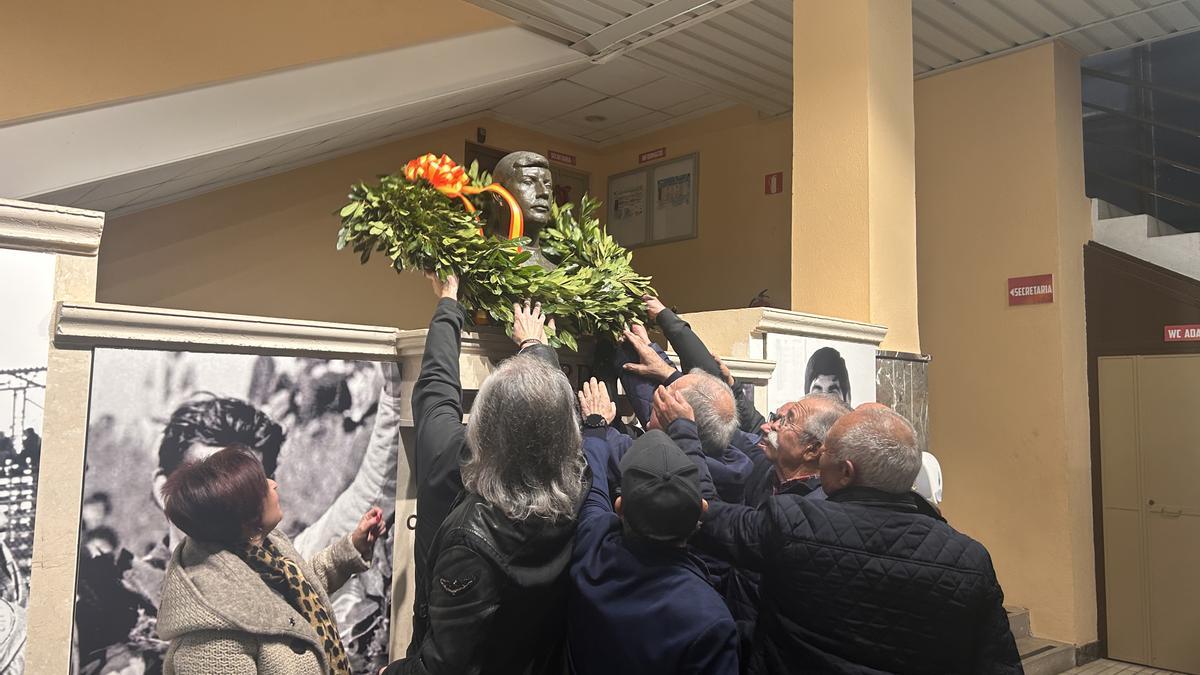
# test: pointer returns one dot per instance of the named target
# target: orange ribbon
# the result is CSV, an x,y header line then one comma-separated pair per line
x,y
451,180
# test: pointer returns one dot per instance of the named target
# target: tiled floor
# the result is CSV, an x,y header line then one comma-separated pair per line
x,y
1106,667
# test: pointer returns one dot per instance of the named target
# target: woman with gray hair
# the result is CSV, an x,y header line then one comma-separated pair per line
x,y
497,504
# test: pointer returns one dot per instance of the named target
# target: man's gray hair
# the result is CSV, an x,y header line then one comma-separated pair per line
x,y
526,450
715,411
818,422
882,446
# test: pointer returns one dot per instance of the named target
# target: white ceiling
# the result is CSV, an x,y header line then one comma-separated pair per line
x,y
950,33
595,72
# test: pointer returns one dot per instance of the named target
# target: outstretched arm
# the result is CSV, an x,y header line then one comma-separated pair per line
x,y
437,407
693,353
649,368
675,415
738,534
689,346
375,482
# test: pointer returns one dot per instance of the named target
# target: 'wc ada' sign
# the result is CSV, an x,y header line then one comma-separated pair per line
x,y
1189,332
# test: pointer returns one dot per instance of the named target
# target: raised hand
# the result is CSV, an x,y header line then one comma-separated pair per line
x,y
725,374
529,324
650,365
670,406
653,306
444,289
370,528
594,400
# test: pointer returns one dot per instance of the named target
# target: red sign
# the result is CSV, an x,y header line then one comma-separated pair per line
x,y
1031,290
561,157
652,155
774,183
1188,332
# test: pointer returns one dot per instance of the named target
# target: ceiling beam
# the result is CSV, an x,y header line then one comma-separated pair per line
x,y
607,42
1182,201
530,20
1143,84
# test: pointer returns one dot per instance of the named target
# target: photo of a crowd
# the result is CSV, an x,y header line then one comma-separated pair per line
x,y
325,431
26,294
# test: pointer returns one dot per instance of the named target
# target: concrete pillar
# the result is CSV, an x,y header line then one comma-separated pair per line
x,y
853,208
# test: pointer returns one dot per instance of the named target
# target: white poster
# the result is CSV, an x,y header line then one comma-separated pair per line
x,y
675,199
326,430
627,208
27,299
806,365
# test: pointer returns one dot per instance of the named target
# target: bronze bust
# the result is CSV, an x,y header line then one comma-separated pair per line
x,y
526,175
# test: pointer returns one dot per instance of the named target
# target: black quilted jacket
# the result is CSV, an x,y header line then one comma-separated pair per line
x,y
862,583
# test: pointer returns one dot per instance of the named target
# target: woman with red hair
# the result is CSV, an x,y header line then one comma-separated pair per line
x,y
237,598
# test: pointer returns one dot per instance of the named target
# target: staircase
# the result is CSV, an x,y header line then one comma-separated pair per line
x,y
1147,238
1038,656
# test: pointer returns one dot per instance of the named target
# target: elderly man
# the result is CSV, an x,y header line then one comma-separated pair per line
x,y
861,582
631,565
709,397
786,460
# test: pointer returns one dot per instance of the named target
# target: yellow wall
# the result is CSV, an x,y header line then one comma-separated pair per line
x,y
63,54
266,247
1000,194
742,246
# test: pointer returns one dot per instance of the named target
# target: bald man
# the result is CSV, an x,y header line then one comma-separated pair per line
x,y
861,582
787,459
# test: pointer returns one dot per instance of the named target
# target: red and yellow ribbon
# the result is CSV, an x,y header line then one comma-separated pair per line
x,y
451,180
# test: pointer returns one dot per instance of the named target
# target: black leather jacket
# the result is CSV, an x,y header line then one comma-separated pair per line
x,y
490,592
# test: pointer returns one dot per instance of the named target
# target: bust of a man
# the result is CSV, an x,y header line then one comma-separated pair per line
x,y
526,175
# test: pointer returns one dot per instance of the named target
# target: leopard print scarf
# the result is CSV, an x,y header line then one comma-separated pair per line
x,y
285,577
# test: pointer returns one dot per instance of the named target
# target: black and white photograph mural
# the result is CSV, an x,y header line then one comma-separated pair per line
x,y
810,366
327,431
27,296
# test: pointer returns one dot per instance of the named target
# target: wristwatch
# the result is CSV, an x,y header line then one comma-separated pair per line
x,y
595,421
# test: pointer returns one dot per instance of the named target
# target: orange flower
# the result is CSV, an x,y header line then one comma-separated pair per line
x,y
450,179
441,172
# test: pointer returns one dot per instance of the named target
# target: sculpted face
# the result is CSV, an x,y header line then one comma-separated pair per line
x,y
527,176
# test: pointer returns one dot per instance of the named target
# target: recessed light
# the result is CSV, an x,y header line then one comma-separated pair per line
x,y
595,118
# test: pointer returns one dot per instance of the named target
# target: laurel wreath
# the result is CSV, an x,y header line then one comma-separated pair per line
x,y
593,291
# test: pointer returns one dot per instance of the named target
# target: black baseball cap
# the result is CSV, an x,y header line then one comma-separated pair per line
x,y
660,489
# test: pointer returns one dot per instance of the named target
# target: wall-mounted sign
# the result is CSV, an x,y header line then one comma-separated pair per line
x,y
560,157
774,183
1032,290
1188,332
658,153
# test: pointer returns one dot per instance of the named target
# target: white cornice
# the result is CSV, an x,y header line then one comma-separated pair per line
x,y
812,325
52,229
84,326
750,371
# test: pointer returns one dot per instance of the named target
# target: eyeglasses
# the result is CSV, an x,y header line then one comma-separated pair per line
x,y
785,420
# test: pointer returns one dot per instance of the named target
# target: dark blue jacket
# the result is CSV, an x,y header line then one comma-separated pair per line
x,y
636,606
729,470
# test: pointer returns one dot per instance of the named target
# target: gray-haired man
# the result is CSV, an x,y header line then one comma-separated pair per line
x,y
862,582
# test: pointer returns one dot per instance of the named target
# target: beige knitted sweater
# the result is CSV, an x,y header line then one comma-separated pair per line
x,y
220,617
